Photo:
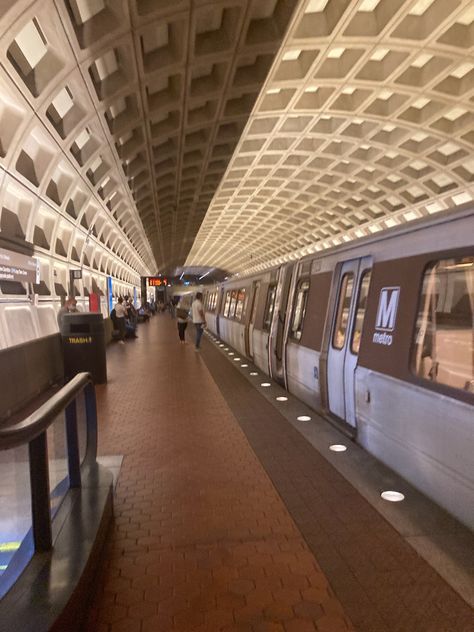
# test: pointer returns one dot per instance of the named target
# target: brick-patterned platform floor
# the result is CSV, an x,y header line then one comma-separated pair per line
x,y
224,514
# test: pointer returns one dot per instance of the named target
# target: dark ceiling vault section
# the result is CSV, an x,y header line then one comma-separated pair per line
x,y
177,80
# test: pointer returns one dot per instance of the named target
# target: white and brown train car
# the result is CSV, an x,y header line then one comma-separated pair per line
x,y
379,335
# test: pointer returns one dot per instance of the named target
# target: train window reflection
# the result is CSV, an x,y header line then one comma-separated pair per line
x,y
239,309
344,305
443,349
233,302
299,311
227,303
269,307
360,311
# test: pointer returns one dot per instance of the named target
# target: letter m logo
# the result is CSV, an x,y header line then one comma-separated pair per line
x,y
387,309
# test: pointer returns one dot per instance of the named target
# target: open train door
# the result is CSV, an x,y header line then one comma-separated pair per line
x,y
353,281
251,322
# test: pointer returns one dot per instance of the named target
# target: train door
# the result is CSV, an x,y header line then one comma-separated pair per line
x,y
277,336
218,309
353,285
253,311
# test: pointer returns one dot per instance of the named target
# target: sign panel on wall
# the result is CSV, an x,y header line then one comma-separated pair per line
x,y
110,295
17,267
157,282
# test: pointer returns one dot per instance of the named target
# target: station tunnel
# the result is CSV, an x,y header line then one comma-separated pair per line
x,y
292,180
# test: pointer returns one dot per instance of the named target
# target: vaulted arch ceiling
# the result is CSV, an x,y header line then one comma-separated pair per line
x,y
365,121
287,126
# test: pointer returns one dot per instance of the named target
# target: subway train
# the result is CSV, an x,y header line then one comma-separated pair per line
x,y
377,335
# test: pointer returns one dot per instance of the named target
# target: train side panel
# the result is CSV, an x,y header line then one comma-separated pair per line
x,y
302,365
426,438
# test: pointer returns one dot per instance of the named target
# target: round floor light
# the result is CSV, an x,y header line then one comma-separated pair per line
x,y
244,366
337,447
393,497
265,384
231,353
253,373
282,398
236,359
221,344
304,418
226,348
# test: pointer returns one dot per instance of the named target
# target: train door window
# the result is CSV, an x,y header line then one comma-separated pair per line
x,y
239,309
360,311
443,350
256,293
343,307
227,303
299,311
233,302
269,307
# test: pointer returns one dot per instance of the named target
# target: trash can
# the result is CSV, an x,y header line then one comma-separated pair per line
x,y
83,336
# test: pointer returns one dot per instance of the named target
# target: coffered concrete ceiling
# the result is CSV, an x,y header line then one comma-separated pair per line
x,y
365,121
143,135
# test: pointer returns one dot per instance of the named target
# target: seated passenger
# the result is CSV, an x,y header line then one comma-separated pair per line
x,y
143,316
115,326
69,307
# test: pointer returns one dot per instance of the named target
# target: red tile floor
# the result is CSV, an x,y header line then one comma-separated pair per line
x,y
202,539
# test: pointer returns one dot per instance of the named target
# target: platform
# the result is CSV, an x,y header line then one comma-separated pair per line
x,y
228,517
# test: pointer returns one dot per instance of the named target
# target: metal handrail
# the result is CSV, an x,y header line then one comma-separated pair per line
x,y
32,431
36,423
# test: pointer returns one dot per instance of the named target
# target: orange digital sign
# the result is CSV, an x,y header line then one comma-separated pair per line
x,y
157,282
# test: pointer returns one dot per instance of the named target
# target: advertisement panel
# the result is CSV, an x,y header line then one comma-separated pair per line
x,y
110,296
17,267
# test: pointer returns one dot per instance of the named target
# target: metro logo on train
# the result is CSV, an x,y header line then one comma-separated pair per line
x,y
386,315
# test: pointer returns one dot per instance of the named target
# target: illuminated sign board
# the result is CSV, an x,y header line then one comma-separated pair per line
x,y
17,267
157,282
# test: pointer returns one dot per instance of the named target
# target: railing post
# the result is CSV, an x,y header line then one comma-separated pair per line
x,y
91,420
73,453
40,500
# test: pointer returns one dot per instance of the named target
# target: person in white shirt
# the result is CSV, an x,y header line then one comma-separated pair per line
x,y
199,319
120,314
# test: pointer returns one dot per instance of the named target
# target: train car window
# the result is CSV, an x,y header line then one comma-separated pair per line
x,y
239,309
269,307
343,307
233,302
360,311
443,350
299,310
227,303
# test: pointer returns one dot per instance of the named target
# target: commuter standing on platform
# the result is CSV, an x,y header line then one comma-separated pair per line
x,y
182,316
199,319
120,314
